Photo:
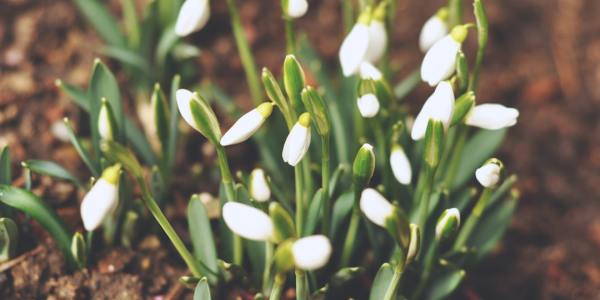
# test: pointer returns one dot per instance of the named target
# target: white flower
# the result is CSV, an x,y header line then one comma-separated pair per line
x,y
488,175
247,221
451,214
101,200
259,187
297,141
184,98
297,8
377,41
354,48
375,206
437,107
193,15
440,61
369,71
400,165
368,105
312,252
247,125
433,30
104,124
492,116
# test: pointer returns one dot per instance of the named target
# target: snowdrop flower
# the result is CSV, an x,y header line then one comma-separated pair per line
x,y
375,206
488,175
438,107
297,141
400,165
297,8
368,105
105,125
448,223
259,187
247,221
354,48
440,61
492,116
377,41
193,15
101,200
184,98
368,71
312,252
247,125
434,30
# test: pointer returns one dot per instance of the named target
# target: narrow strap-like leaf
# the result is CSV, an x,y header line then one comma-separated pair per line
x,y
52,169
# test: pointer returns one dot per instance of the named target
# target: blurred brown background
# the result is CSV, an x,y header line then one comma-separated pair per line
x,y
543,58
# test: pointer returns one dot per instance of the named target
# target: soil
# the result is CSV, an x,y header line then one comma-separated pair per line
x,y
543,58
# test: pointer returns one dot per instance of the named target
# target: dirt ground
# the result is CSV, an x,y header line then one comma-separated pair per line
x,y
543,58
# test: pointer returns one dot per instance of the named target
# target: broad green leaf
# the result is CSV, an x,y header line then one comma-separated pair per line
x,y
381,282
341,211
33,206
492,226
9,239
202,290
101,19
477,150
201,236
103,84
443,285
160,111
52,169
5,168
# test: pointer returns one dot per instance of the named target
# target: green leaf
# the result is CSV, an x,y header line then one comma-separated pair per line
x,y
9,239
52,169
5,168
492,226
282,222
293,81
275,94
160,111
408,84
79,96
102,21
32,205
201,236
381,282
202,290
478,149
128,57
173,122
341,211
79,250
314,213
103,85
443,285
167,41
83,153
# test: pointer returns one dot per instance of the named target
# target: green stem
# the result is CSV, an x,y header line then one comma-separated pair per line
x,y
267,270
455,155
427,266
301,288
473,219
245,54
299,202
168,229
277,287
455,12
351,234
348,15
290,35
392,289
426,195
325,183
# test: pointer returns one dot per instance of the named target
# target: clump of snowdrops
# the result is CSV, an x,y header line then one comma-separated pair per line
x,y
348,184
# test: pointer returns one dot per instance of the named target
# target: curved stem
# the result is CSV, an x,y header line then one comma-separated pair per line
x,y
473,219
392,290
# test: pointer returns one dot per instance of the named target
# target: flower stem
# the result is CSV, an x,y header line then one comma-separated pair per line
x,y
427,265
267,270
454,155
352,230
473,219
301,288
392,289
325,183
423,200
277,287
290,35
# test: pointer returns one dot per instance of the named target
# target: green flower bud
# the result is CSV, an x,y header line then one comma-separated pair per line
x,y
447,225
79,250
107,124
118,153
9,237
434,143
462,71
315,105
398,227
275,94
284,257
363,167
293,80
160,111
283,224
462,107
415,243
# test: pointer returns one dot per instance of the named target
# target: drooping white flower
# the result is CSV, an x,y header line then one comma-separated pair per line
x,y
400,165
297,141
184,98
369,71
193,15
375,206
368,105
312,252
354,48
448,223
488,175
247,221
437,107
492,116
259,187
433,30
440,61
297,8
101,200
377,41
247,125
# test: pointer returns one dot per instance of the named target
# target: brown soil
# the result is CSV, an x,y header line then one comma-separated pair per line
x,y
543,58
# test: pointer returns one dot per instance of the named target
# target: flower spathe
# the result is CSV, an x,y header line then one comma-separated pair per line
x,y
297,8
247,221
184,98
400,165
434,29
259,187
297,141
375,206
101,200
247,125
488,175
438,107
354,49
193,16
448,222
492,116
368,105
439,62
312,252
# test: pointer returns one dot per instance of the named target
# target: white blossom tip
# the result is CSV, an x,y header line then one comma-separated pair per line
x,y
375,206
247,221
368,105
488,175
193,16
312,252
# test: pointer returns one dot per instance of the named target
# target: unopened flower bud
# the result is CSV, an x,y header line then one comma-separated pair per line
x,y
259,187
492,116
488,175
297,8
447,224
400,165
297,141
434,29
363,166
368,105
312,252
247,125
106,121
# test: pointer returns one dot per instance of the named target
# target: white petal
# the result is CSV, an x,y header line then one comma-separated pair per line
x,y
375,206
297,8
492,116
401,166
311,253
433,30
243,128
296,144
184,98
104,128
369,71
440,61
451,213
377,41
438,106
259,188
354,48
98,203
488,175
368,105
247,221
193,15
